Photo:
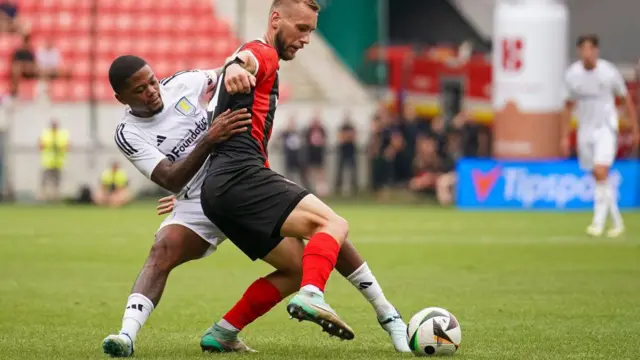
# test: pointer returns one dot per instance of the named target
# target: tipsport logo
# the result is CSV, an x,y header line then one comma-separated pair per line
x,y
519,184
484,182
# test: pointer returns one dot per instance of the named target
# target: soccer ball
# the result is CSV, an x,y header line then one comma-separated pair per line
x,y
434,331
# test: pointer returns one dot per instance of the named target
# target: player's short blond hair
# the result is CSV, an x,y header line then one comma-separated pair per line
x,y
313,4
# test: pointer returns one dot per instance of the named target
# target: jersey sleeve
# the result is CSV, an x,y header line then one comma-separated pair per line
x,y
144,156
619,86
209,84
202,81
266,58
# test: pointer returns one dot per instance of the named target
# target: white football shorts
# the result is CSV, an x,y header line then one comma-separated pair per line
x,y
188,213
598,147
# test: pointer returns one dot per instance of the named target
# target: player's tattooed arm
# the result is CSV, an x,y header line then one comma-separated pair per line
x,y
175,176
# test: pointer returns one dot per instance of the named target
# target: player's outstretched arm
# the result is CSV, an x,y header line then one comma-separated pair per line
x,y
175,176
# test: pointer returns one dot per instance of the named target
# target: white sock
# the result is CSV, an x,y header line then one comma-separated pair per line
x,y
139,307
614,211
600,204
364,281
312,289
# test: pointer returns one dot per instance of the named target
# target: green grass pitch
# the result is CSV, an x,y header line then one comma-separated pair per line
x,y
522,285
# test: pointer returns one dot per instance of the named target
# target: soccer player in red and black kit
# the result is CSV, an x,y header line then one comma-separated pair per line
x,y
261,212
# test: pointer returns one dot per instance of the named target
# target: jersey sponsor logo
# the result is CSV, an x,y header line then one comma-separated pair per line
x,y
188,140
185,107
160,139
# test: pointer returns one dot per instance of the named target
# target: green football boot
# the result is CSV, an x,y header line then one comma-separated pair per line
x,y
311,306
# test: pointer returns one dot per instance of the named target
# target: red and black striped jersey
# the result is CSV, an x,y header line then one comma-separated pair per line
x,y
249,148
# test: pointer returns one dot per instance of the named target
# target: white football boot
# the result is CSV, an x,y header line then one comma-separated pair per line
x,y
393,324
118,345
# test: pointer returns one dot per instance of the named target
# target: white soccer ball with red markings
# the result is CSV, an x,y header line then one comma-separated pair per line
x,y
434,331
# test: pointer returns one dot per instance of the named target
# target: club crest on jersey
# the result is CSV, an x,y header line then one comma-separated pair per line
x,y
185,107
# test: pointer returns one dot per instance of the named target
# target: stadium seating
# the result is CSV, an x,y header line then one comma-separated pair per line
x,y
171,35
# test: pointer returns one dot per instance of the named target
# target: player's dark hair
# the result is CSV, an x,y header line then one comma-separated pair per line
x,y
593,39
313,4
122,69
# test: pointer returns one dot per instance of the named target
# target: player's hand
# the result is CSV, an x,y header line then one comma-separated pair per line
x,y
237,80
166,204
565,146
228,124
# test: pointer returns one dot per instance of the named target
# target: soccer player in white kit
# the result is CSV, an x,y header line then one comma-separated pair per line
x,y
592,85
166,136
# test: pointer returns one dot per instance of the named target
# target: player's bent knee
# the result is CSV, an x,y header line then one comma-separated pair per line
x,y
161,256
338,228
600,172
167,252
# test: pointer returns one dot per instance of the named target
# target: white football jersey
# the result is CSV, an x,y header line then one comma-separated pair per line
x,y
594,93
174,132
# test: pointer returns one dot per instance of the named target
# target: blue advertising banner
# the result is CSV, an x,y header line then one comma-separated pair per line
x,y
559,185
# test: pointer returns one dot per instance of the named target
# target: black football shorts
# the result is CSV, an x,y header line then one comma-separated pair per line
x,y
250,206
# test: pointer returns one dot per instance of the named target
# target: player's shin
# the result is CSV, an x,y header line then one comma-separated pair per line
x,y
368,286
138,310
600,204
351,265
258,299
319,259
612,197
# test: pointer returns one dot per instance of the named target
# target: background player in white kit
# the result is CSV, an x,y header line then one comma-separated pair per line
x,y
592,86
164,134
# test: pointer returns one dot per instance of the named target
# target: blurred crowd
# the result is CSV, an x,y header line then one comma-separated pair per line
x,y
407,151
404,151
43,63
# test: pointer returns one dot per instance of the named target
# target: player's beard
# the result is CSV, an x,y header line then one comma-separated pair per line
x,y
158,110
281,47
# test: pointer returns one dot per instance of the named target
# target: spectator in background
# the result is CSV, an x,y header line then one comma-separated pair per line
x,y
347,156
23,64
292,145
426,164
54,145
437,131
394,153
411,126
49,62
468,130
316,139
484,142
114,188
446,178
374,154
9,20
